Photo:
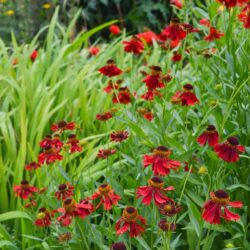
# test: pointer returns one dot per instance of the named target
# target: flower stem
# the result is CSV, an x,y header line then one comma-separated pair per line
x,y
185,182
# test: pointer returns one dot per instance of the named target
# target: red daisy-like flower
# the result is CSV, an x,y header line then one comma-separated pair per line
x,y
54,142
64,191
244,16
105,153
174,31
72,209
134,46
62,125
154,80
25,191
213,34
110,69
74,144
32,166
209,136
150,94
33,55
229,150
228,3
176,57
119,136
216,208
49,155
123,96
177,3
107,197
154,190
169,208
130,221
185,97
204,22
147,37
115,30
94,50
104,117
160,161
43,219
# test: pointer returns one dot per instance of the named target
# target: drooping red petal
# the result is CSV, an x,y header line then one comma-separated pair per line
x,y
228,215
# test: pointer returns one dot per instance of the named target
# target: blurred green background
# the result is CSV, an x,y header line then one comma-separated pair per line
x,y
26,17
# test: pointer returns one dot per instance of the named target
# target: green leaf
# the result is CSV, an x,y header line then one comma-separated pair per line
x,y
14,215
235,186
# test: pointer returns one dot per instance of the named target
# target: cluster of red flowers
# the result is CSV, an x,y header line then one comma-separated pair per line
x,y
228,151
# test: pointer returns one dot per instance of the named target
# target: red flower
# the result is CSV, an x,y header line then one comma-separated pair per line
x,y
43,218
154,190
174,31
166,226
204,22
74,144
54,142
169,208
244,16
104,117
72,209
185,97
213,208
110,69
107,197
228,3
105,153
176,56
153,80
64,237
150,94
147,114
62,125
130,221
115,30
160,161
33,55
118,246
119,136
32,166
94,50
134,46
49,155
178,4
189,28
209,136
64,191
25,191
147,37
213,35
229,150
123,96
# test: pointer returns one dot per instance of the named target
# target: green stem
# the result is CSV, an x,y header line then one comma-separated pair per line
x,y
84,240
185,182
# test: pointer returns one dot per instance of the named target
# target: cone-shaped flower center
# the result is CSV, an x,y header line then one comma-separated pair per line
x,y
162,151
69,205
110,62
62,187
104,189
118,246
48,136
130,214
62,124
168,208
48,149
156,182
155,70
211,128
220,196
188,87
24,184
233,141
42,210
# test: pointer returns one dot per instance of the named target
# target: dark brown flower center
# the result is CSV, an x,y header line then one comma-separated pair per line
x,y
42,210
130,214
62,187
157,179
62,124
188,87
48,136
67,202
130,210
221,194
24,182
233,140
110,61
162,148
118,246
156,68
211,128
72,136
104,189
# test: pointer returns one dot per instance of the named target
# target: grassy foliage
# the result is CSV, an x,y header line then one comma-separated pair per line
x,y
63,83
